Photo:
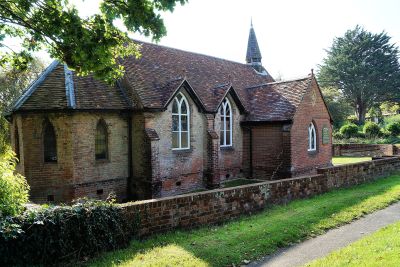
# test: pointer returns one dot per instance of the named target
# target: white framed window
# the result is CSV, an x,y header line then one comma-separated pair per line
x,y
312,138
180,123
226,124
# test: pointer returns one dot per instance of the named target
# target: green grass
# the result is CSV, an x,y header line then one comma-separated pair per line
x,y
249,238
381,248
347,160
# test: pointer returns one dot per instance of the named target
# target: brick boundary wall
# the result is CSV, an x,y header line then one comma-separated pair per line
x,y
364,150
220,205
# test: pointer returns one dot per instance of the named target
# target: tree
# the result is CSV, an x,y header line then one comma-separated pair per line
x,y
86,45
365,68
338,107
12,83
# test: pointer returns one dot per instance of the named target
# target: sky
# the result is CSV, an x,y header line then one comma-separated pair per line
x,y
292,34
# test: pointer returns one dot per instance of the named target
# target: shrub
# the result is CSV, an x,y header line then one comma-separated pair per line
x,y
352,119
13,187
393,128
337,135
372,130
349,130
62,233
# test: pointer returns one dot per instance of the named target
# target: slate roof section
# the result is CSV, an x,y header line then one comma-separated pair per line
x,y
276,101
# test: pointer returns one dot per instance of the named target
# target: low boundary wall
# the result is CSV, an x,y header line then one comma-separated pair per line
x,y
364,150
216,206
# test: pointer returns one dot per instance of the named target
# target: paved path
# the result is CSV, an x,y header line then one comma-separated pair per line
x,y
334,239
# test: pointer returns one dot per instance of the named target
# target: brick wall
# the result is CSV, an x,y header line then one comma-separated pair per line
x,y
215,206
311,109
364,150
352,174
270,158
191,210
76,164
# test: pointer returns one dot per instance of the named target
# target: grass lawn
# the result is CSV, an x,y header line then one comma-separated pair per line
x,y
381,248
347,160
249,238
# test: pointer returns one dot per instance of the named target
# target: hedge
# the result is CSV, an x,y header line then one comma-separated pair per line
x,y
63,233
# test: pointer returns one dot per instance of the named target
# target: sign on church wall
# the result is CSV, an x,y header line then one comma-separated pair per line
x,y
325,135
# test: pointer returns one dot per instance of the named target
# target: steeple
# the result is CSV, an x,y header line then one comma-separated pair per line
x,y
253,55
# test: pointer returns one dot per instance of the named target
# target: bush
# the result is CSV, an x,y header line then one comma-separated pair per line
x,y
352,119
13,187
372,130
337,135
349,130
393,128
62,233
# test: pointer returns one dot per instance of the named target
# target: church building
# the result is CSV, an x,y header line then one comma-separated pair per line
x,y
177,122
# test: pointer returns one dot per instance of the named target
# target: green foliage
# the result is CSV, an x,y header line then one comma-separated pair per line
x,y
57,234
393,128
87,45
337,135
395,118
352,119
338,107
12,83
13,187
371,129
390,107
349,130
364,66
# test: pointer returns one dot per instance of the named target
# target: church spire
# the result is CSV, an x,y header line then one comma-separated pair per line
x,y
253,55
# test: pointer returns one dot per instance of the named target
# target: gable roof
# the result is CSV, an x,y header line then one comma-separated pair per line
x,y
276,101
151,81
158,66
58,88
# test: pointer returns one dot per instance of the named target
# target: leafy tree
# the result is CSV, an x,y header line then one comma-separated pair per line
x,y
13,186
349,130
365,68
87,45
337,105
12,83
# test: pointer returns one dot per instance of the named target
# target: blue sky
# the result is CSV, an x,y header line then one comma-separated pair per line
x,y
292,34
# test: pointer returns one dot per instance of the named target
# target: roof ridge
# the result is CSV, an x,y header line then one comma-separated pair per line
x,y
291,80
272,83
191,52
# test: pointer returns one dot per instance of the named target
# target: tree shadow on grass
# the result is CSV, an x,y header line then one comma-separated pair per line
x,y
250,237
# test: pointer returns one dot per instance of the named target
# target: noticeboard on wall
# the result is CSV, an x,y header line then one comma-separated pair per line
x,y
325,135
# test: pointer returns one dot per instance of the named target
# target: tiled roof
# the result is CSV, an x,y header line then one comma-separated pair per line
x,y
59,88
159,66
253,53
151,81
276,101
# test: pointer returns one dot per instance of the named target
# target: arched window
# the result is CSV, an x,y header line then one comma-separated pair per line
x,y
312,138
16,138
49,143
180,123
226,123
101,140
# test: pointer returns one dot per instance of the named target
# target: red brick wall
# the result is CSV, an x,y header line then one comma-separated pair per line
x,y
191,210
311,109
215,206
270,156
